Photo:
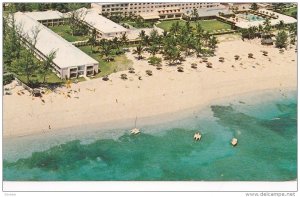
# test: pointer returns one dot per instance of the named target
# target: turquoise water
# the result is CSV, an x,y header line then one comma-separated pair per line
x,y
252,17
267,149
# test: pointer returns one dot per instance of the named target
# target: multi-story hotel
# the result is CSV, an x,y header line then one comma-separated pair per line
x,y
137,8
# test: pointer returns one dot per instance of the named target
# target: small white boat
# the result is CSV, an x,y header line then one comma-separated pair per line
x,y
197,136
234,142
135,131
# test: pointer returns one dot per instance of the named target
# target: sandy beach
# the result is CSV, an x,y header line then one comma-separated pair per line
x,y
167,91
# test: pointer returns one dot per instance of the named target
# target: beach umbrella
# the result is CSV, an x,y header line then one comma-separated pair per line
x,y
265,53
149,72
158,66
36,92
250,55
236,57
123,76
209,65
204,59
194,65
131,70
105,78
180,69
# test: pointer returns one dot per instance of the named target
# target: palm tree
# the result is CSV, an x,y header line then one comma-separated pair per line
x,y
155,61
254,6
178,56
212,42
293,28
139,50
195,14
142,35
188,27
199,30
251,32
175,27
153,49
124,39
267,26
115,43
106,50
146,40
260,29
198,49
170,53
153,35
187,44
206,37
47,64
280,25
93,39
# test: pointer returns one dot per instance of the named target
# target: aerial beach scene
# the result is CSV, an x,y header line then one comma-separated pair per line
x,y
148,91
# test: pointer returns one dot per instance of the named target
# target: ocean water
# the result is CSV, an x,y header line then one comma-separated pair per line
x,y
265,125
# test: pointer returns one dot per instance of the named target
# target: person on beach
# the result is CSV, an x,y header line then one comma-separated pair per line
x,y
49,127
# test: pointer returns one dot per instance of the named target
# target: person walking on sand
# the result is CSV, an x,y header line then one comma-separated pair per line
x,y
49,127
116,100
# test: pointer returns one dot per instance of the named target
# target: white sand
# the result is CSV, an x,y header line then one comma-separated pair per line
x,y
167,91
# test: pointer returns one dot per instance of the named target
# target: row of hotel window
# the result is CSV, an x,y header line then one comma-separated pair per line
x,y
120,9
168,5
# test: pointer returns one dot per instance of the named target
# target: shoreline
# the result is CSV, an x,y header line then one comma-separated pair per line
x,y
157,119
165,93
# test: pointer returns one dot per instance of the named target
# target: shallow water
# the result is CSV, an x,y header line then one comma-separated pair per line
x,y
266,150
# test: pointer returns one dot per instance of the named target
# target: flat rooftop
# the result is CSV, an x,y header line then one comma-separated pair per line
x,y
101,23
67,55
46,15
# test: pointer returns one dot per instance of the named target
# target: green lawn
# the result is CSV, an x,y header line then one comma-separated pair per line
x,y
120,63
51,78
65,32
208,25
290,11
142,25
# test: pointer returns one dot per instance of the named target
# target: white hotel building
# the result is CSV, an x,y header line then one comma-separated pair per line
x,y
136,8
69,61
